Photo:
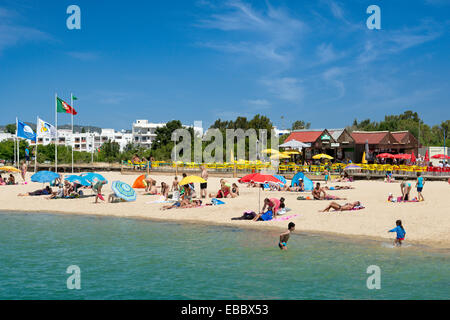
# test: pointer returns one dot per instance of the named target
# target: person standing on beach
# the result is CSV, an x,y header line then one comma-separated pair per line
x,y
23,170
98,189
204,186
400,233
284,237
419,185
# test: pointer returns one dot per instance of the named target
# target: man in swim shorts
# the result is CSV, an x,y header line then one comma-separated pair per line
x,y
284,237
204,186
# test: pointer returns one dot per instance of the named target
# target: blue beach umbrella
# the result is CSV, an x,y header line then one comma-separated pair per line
x,y
93,177
281,178
44,176
123,191
77,179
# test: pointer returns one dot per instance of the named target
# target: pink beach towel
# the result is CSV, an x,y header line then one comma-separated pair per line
x,y
284,218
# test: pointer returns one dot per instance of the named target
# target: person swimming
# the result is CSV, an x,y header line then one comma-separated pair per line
x,y
401,233
284,237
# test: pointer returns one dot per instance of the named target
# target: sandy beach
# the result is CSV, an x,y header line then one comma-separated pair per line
x,y
426,223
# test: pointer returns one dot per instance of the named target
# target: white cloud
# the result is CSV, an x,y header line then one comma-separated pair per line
x,y
289,89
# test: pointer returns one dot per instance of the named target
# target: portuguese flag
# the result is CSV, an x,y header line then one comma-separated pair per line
x,y
62,106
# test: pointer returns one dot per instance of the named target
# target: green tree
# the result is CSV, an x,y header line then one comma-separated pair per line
x,y
11,128
300,125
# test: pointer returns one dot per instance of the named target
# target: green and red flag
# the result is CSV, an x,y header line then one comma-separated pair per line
x,y
62,106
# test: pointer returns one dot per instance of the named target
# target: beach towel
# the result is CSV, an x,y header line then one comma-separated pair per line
x,y
217,202
285,218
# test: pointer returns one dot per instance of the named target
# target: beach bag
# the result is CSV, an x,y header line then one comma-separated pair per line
x,y
249,215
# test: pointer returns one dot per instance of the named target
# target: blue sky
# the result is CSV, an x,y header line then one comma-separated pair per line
x,y
202,60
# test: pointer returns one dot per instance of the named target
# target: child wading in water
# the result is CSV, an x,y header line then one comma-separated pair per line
x,y
400,233
284,237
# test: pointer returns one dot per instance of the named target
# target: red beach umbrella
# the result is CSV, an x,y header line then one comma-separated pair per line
x,y
385,155
413,157
402,156
264,178
427,157
247,178
440,156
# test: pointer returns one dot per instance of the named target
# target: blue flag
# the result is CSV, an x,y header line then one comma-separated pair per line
x,y
25,131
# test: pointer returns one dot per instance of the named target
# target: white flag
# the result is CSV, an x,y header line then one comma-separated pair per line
x,y
45,129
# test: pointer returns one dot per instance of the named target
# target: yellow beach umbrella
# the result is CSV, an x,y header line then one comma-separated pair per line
x,y
270,151
291,152
364,161
192,179
9,169
279,156
322,156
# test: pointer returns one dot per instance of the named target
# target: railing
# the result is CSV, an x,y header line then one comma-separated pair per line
x,y
288,168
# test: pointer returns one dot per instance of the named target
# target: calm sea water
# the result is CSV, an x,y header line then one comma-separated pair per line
x,y
136,259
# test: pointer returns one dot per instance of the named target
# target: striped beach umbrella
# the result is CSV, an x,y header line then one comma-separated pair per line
x,y
123,191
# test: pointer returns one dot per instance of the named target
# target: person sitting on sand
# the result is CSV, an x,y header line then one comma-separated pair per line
x,y
152,189
148,181
11,180
41,192
317,192
272,205
58,194
284,237
336,206
234,190
2,182
224,191
112,198
400,233
405,187
68,188
165,190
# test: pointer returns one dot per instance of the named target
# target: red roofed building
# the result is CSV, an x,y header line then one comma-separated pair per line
x,y
320,140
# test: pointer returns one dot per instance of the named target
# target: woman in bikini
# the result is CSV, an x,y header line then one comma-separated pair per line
x,y
336,206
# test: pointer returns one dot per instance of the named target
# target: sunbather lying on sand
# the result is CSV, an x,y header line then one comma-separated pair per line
x,y
336,206
339,188
183,204
41,192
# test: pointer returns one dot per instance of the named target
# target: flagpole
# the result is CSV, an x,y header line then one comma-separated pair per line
x,y
36,144
16,155
56,126
73,145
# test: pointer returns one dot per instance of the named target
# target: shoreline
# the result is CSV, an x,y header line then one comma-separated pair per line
x,y
429,246
426,223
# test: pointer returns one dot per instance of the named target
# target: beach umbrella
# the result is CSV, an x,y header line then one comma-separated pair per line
x,y
9,169
402,156
247,178
281,178
413,157
270,151
44,176
123,191
279,156
322,156
385,156
440,156
139,182
77,179
265,178
364,161
192,179
93,177
427,157
291,152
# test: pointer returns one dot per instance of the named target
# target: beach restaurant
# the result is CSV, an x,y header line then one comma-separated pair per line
x,y
337,143
343,145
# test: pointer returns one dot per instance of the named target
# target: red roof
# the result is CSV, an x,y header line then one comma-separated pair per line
x,y
374,137
304,136
399,136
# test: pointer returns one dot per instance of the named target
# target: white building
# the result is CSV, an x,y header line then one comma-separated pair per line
x,y
89,141
6,136
280,132
144,132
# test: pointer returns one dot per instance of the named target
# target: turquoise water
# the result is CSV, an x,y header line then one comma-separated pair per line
x,y
137,259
